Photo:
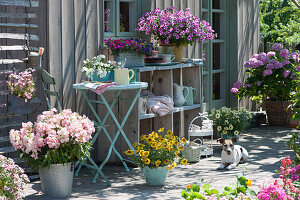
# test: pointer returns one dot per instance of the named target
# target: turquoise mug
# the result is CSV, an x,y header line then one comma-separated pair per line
x,y
191,95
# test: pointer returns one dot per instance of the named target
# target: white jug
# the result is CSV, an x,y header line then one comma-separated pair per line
x,y
178,97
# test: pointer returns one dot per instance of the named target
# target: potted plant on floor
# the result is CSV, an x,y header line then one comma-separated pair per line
x,y
156,154
230,122
52,145
273,80
98,69
134,50
12,179
177,28
22,88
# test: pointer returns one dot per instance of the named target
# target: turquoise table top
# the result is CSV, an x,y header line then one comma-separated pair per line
x,y
131,86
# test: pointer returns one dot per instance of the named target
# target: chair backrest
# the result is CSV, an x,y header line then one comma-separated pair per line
x,y
47,79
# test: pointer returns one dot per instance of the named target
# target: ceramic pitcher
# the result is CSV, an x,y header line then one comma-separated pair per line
x,y
122,76
190,96
179,98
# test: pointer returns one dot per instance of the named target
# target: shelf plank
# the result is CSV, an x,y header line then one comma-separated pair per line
x,y
15,25
167,67
10,61
4,139
5,150
17,48
176,109
31,3
19,36
17,15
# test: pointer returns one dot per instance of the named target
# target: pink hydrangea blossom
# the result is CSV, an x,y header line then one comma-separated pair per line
x,y
277,46
271,54
295,56
285,53
237,84
267,72
234,90
286,73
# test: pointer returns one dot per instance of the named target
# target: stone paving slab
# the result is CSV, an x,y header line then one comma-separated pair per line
x,y
265,145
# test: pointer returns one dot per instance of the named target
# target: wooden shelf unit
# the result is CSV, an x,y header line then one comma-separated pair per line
x,y
160,80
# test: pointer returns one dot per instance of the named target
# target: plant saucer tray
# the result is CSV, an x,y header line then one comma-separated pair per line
x,y
162,64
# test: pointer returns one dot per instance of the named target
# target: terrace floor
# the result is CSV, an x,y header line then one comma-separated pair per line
x,y
265,145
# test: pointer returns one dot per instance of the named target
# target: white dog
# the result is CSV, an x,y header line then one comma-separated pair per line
x,y
232,154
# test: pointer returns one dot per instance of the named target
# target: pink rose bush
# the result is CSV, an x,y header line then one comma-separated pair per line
x,y
175,27
54,138
272,76
22,84
12,180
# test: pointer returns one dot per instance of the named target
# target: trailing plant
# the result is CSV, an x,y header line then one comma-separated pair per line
x,y
158,149
55,138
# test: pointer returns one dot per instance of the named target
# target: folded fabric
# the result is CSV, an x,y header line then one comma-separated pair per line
x,y
160,105
98,87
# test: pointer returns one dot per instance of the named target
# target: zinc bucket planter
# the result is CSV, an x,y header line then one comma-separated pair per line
x,y
18,105
278,113
156,176
57,180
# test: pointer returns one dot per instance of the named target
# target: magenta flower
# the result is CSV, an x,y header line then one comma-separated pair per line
x,y
267,72
285,53
295,56
248,85
270,66
286,73
298,68
234,90
270,54
277,46
285,62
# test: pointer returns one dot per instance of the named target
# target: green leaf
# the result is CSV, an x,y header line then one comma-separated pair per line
x,y
206,186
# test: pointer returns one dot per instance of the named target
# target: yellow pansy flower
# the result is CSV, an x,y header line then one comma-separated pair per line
x,y
177,153
180,148
219,128
171,149
147,162
146,153
218,116
224,132
169,132
161,130
173,164
129,152
157,163
146,136
162,139
169,167
248,183
149,140
141,153
176,143
158,146
230,127
184,162
134,145
225,128
166,148
166,161
144,159
236,133
183,140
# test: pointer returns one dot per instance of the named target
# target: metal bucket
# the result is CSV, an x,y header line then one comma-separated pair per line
x,y
57,180
156,176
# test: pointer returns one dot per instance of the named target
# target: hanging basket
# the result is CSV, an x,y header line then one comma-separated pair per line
x,y
278,113
192,150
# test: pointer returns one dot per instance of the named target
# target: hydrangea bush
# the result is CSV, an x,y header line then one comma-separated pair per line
x,y
175,27
134,46
22,84
230,122
12,179
160,149
272,76
55,138
98,65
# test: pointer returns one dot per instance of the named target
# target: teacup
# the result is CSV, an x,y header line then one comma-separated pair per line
x,y
167,57
122,76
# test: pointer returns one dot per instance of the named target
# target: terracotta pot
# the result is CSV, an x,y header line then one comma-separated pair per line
x,y
294,123
278,113
178,52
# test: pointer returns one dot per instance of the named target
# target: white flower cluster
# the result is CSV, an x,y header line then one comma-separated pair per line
x,y
98,65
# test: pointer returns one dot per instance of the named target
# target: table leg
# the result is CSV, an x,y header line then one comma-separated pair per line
x,y
120,127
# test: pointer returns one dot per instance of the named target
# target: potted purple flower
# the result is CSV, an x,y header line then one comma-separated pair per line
x,y
178,28
274,80
134,50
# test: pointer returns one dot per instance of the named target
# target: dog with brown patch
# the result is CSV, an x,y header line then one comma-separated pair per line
x,y
232,155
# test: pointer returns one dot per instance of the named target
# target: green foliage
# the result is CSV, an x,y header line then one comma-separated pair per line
x,y
279,21
241,190
294,144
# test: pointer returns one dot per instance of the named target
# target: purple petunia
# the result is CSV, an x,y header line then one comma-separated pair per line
x,y
285,62
277,46
286,73
248,85
267,72
295,56
237,84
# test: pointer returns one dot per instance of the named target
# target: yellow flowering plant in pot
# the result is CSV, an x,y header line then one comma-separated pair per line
x,y
157,153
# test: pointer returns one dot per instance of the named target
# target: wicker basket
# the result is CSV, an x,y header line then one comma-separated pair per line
x,y
278,113
192,150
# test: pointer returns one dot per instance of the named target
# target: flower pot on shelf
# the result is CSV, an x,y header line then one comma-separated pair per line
x,y
57,180
96,78
178,52
132,60
278,113
156,176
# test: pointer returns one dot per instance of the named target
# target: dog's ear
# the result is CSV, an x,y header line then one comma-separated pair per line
x,y
221,140
234,140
